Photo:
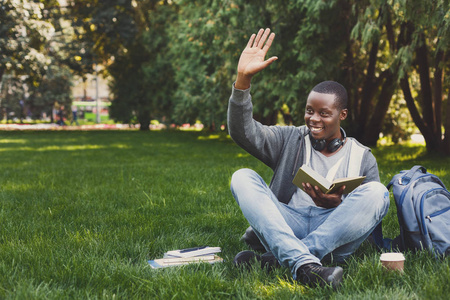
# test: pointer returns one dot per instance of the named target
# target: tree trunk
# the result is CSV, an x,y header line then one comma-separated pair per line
x,y
423,127
144,119
349,81
144,125
367,94
84,90
425,86
438,99
446,142
376,121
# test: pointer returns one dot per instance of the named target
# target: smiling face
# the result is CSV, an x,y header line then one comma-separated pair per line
x,y
323,117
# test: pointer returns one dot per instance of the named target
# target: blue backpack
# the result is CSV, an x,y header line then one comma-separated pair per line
x,y
423,211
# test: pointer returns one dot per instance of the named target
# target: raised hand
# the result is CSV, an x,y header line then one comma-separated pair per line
x,y
252,59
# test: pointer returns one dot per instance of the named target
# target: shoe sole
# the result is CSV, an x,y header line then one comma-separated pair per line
x,y
244,258
335,279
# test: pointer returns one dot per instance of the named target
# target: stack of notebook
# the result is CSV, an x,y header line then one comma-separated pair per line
x,y
172,258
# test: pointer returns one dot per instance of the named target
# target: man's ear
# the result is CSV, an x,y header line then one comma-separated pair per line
x,y
343,114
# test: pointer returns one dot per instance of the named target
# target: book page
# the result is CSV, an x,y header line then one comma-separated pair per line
x,y
350,183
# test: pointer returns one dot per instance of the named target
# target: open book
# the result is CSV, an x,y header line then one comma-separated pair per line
x,y
307,175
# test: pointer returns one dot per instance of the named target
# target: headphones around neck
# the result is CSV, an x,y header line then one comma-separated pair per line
x,y
332,146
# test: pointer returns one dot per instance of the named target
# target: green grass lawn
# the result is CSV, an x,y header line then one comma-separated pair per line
x,y
82,212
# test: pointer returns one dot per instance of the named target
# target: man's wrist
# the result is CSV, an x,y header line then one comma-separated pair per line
x,y
242,82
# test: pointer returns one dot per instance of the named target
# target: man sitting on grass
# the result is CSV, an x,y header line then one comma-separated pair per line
x,y
297,228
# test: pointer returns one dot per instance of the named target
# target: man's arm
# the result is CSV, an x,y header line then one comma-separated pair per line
x,y
263,142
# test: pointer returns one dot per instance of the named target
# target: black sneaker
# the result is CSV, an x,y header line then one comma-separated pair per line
x,y
245,258
315,274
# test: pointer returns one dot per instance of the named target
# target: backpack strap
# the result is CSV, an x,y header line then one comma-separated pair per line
x,y
405,179
308,150
388,186
356,156
377,235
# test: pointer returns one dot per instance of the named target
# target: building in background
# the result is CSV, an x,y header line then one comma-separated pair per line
x,y
85,94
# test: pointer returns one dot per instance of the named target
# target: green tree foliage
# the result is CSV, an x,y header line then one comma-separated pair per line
x,y
24,32
204,53
369,54
12,98
99,31
129,38
54,88
209,36
278,91
30,58
328,46
102,29
417,34
425,71
158,69
371,46
175,60
319,42
142,75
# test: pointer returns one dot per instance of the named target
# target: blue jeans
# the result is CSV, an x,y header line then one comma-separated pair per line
x,y
298,236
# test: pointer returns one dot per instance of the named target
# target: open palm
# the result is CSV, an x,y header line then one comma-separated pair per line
x,y
252,59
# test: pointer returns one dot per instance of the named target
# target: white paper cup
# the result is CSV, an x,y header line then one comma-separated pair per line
x,y
393,261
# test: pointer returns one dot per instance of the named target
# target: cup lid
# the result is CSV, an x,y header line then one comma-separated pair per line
x,y
392,256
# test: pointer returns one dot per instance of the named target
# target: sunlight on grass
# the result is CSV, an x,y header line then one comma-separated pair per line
x,y
84,237
55,148
120,146
403,156
17,187
282,286
70,148
166,145
440,173
12,141
209,137
217,137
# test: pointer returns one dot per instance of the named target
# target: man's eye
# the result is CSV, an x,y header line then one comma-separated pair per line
x,y
325,114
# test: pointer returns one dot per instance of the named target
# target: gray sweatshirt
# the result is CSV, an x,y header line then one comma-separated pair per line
x,y
282,148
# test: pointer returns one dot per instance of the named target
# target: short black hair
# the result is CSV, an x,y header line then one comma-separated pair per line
x,y
337,89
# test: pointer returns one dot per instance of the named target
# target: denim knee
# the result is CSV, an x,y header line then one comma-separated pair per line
x,y
241,173
240,181
377,196
240,177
